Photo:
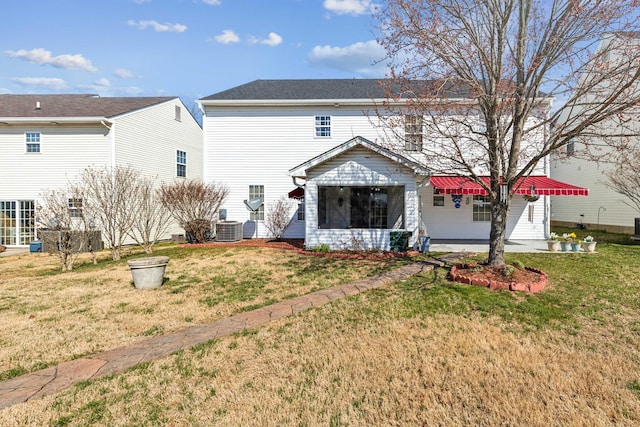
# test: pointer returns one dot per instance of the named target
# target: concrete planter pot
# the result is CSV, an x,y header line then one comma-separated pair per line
x,y
148,273
553,245
589,247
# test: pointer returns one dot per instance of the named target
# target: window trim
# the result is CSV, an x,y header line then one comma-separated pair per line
x,y
181,164
413,132
75,205
481,209
255,191
322,126
32,144
300,211
368,207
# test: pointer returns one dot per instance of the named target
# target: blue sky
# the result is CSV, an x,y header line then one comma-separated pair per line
x,y
185,48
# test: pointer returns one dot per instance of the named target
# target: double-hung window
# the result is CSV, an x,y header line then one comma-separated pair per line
x,y
32,140
413,133
257,192
181,165
481,209
323,126
75,207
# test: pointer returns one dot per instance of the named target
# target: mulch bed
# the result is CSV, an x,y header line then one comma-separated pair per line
x,y
521,279
298,246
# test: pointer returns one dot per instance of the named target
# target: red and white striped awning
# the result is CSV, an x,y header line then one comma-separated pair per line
x,y
540,185
297,193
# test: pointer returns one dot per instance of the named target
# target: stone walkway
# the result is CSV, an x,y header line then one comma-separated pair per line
x,y
66,374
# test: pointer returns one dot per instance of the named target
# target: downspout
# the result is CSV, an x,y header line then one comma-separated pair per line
x,y
112,141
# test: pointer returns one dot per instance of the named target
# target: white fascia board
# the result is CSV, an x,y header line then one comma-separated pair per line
x,y
300,171
51,120
332,102
286,102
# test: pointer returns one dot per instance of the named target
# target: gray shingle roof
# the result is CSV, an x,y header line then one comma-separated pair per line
x,y
303,89
76,105
318,89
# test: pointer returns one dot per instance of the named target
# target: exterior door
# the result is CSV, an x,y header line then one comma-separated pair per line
x,y
17,222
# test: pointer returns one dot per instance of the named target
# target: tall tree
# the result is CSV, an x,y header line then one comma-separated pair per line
x,y
511,59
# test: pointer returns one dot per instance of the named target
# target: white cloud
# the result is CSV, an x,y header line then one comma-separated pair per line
x,y
123,73
44,57
103,82
45,82
350,7
227,36
212,2
362,58
161,28
273,40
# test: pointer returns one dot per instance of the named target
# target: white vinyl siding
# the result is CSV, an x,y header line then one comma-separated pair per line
x,y
164,135
272,141
260,144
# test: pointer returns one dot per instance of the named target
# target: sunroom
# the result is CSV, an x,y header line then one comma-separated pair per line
x,y
358,194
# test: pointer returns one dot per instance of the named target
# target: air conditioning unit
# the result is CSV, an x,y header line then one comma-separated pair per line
x,y
229,231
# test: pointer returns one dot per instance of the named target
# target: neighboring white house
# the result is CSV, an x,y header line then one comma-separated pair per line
x,y
48,140
604,209
321,143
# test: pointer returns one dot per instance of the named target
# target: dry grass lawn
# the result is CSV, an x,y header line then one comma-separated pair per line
x,y
47,317
403,355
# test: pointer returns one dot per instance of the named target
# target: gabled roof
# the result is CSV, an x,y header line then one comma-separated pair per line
x,y
318,89
303,89
72,105
300,171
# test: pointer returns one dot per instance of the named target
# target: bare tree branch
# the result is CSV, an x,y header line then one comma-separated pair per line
x,y
194,205
492,77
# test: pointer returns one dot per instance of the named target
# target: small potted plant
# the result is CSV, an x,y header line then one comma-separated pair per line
x,y
588,244
553,243
567,240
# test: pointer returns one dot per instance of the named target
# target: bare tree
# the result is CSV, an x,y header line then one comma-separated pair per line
x,y
625,178
278,217
483,73
109,194
61,225
194,205
151,219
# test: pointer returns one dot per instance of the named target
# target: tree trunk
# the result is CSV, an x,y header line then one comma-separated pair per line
x,y
499,211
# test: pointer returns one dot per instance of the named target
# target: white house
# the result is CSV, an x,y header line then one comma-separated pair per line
x,y
321,143
617,57
47,140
